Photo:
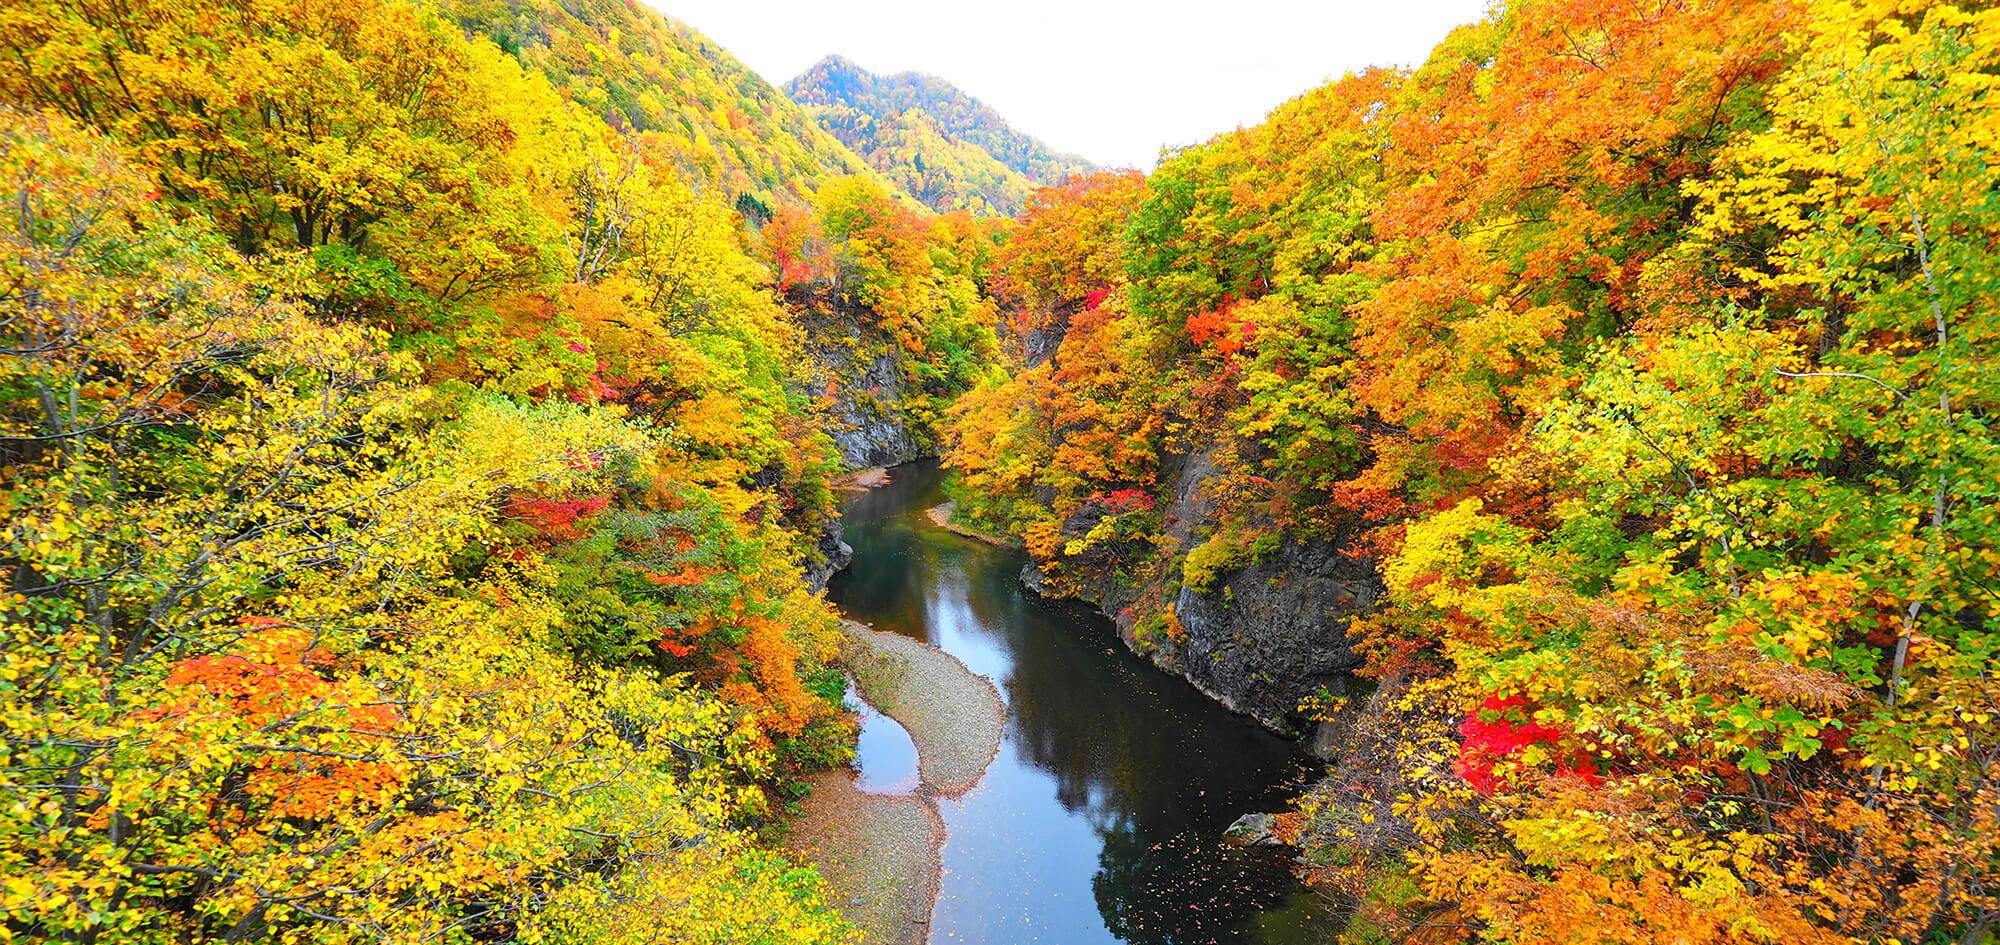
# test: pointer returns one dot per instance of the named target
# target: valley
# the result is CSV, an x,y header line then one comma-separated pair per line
x,y
507,471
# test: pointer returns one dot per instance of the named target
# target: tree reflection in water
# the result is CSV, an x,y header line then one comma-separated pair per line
x,y
1101,749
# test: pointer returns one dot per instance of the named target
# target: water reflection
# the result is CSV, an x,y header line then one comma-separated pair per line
x,y
884,755
1100,819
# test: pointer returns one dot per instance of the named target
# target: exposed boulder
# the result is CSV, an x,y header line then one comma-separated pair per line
x,y
1265,830
834,556
1251,830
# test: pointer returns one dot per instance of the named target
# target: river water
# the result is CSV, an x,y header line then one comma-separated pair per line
x,y
1101,819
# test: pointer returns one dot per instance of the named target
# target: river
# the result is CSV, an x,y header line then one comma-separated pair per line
x,y
1101,818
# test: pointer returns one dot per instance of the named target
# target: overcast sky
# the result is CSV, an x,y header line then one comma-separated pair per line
x,y
1113,82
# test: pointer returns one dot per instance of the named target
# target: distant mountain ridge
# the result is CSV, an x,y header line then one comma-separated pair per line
x,y
945,147
646,72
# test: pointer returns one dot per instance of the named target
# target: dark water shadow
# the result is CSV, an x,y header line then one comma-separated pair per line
x,y
1101,818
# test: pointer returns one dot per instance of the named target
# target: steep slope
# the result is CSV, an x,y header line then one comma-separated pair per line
x,y
459,446
947,148
1595,396
943,172
640,70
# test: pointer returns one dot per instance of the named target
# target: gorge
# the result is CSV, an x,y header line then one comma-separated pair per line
x,y
462,459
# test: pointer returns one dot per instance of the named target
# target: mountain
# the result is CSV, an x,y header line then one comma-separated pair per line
x,y
945,147
643,71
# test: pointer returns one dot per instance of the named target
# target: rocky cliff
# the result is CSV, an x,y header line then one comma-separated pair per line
x,y
834,556
1265,635
858,371
1273,633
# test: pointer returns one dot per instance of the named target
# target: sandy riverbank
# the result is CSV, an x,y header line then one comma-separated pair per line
x,y
941,517
863,481
877,853
880,854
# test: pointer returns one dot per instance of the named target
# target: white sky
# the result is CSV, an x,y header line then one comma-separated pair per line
x,y
1112,81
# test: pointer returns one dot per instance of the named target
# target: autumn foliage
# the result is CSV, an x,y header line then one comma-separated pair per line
x,y
415,422
1645,349
408,479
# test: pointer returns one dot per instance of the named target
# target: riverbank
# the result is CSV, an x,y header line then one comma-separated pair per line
x,y
880,854
862,480
941,516
954,715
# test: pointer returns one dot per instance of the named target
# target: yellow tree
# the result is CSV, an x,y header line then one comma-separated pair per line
x,y
369,133
268,671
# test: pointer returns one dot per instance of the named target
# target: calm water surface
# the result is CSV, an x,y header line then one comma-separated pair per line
x,y
1101,819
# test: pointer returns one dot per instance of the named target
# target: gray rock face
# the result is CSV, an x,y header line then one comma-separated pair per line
x,y
862,369
1275,632
868,411
1262,638
1038,344
836,556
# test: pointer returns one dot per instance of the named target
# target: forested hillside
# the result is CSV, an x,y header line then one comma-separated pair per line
x,y
1614,392
642,72
947,149
414,472
420,425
